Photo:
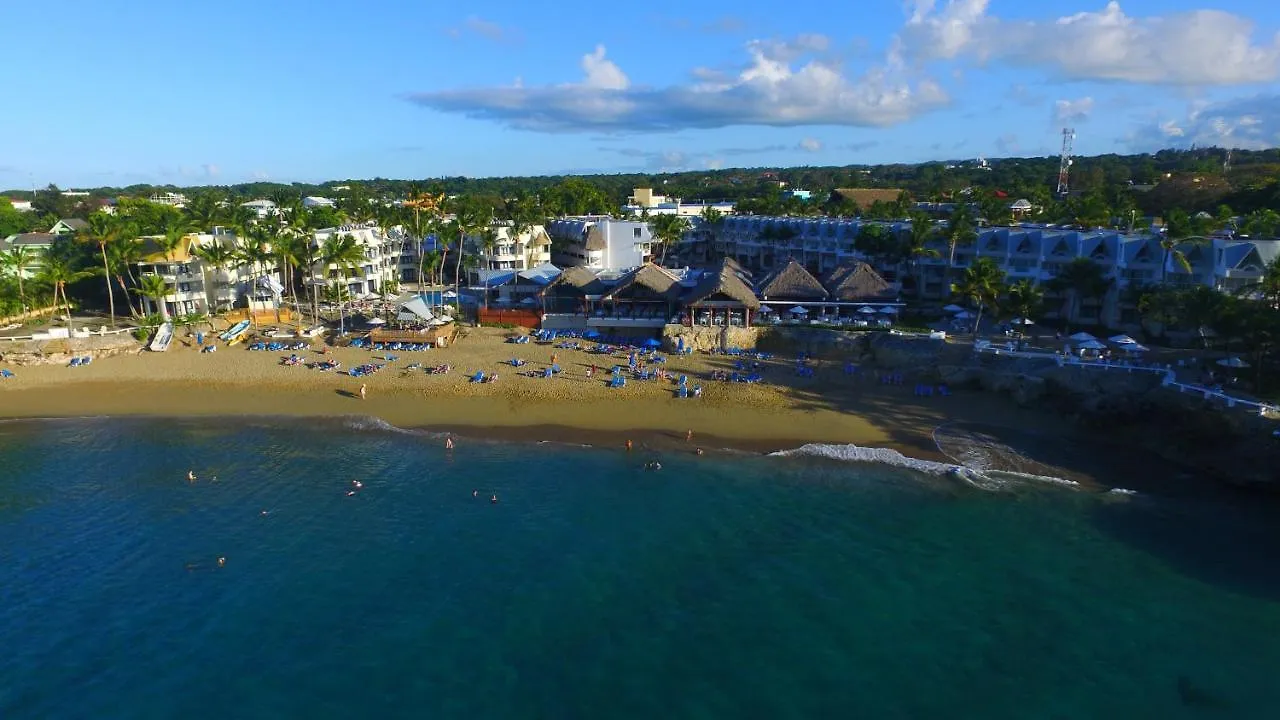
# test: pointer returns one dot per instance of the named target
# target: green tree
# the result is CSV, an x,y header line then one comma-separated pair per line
x,y
155,288
1081,278
1024,299
668,230
104,230
981,284
345,254
18,259
960,230
58,269
218,257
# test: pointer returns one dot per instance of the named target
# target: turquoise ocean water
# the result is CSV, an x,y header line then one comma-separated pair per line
x,y
720,587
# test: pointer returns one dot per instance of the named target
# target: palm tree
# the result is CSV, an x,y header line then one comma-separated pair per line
x,y
344,253
960,230
1081,278
58,271
287,248
668,230
982,284
913,244
1024,299
103,230
18,259
154,288
123,255
488,243
217,256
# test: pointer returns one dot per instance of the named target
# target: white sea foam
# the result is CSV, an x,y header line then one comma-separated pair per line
x,y
1121,491
990,480
369,423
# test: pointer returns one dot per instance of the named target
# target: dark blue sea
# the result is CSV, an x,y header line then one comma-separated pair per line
x,y
719,587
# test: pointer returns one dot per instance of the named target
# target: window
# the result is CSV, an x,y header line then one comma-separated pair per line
x,y
637,232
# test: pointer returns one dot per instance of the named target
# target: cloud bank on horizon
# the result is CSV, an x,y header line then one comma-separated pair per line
x,y
806,81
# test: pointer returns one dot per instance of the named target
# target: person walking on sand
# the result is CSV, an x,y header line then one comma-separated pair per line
x,y
364,389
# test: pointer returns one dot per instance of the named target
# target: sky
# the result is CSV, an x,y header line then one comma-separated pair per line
x,y
284,90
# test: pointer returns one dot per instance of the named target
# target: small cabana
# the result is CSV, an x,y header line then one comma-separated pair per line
x,y
720,297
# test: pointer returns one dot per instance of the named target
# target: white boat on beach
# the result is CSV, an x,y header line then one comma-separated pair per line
x,y
162,339
236,331
313,331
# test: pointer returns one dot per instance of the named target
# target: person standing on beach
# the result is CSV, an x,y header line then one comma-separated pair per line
x,y
363,390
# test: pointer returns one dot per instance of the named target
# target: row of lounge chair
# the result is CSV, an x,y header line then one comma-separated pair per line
x,y
80,361
363,370
276,346
368,344
6,373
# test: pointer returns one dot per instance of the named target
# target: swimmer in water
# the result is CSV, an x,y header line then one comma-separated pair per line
x,y
357,484
494,500
350,493
222,562
448,443
191,476
475,493
698,451
628,446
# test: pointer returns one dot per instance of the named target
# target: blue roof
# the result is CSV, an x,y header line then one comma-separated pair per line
x,y
543,274
496,277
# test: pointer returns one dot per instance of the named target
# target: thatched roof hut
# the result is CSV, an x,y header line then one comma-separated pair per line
x,y
595,239
723,284
657,280
791,282
576,280
852,281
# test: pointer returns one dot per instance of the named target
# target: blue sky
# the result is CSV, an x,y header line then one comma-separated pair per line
x,y
226,92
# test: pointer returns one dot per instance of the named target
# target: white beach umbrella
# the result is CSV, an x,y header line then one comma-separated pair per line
x,y
889,310
449,294
529,301
766,309
1233,362
867,310
1023,321
799,310
953,308
377,321
1082,337
1090,345
1122,340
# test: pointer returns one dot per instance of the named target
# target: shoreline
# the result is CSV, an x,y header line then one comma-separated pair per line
x,y
784,413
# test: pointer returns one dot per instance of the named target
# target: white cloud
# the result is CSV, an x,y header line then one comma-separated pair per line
x,y
769,91
1251,123
487,29
1200,47
810,144
1067,112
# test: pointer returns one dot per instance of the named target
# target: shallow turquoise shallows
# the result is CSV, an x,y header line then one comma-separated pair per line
x,y
718,587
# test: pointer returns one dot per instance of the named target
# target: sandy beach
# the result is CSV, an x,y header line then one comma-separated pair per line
x,y
784,412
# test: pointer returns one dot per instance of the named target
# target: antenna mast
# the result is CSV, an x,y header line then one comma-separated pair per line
x,y
1064,165
1226,162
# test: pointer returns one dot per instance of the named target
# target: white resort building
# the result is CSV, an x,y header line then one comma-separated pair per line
x,y
1033,252
526,250
600,242
382,259
196,287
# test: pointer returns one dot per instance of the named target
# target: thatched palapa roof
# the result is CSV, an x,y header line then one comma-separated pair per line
x,y
791,282
595,239
853,281
723,281
579,278
650,276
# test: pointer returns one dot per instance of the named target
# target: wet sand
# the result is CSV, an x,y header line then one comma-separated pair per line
x,y
785,412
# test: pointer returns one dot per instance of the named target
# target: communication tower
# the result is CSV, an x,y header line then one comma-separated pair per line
x,y
1064,165
1226,162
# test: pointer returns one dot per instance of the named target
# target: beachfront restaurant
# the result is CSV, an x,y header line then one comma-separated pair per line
x,y
721,297
852,293
644,297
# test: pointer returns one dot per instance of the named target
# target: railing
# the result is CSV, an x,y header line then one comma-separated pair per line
x,y
1169,378
77,334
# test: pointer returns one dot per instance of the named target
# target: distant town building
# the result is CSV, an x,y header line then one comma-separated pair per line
x,y
644,201
35,242
19,205
168,198
313,201
263,208
66,226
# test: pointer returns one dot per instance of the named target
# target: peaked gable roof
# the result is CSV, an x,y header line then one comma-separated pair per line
x,y
724,280
792,281
853,281
648,275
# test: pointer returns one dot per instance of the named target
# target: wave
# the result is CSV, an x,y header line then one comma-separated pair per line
x,y
983,479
